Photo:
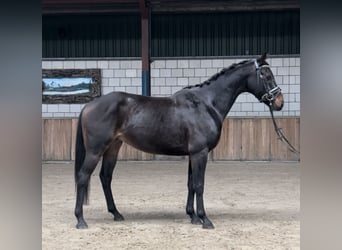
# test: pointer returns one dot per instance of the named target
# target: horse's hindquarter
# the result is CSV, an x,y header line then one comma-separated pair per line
x,y
167,126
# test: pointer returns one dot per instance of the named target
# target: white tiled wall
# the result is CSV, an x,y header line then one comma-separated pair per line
x,y
169,76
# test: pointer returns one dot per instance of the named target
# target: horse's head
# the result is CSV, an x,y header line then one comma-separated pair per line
x,y
263,86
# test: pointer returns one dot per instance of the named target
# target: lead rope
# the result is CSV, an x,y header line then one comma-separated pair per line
x,y
281,136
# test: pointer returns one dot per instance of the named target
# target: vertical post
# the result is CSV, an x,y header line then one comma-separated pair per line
x,y
145,48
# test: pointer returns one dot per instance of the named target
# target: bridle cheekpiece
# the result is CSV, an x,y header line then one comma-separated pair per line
x,y
272,90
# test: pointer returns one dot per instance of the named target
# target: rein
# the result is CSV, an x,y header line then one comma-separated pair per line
x,y
281,136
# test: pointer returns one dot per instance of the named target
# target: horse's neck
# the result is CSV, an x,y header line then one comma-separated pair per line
x,y
224,91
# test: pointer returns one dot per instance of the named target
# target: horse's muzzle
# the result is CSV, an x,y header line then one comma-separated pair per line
x,y
278,102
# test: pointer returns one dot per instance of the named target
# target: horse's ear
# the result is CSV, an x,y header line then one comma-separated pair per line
x,y
262,59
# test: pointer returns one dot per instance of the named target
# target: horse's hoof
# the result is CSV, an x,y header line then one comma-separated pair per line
x,y
195,220
81,225
119,217
207,224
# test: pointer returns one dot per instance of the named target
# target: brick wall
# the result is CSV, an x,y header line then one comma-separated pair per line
x,y
169,76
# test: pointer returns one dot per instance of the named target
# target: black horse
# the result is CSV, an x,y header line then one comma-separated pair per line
x,y
186,123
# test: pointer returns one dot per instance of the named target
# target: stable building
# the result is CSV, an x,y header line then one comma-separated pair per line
x,y
157,47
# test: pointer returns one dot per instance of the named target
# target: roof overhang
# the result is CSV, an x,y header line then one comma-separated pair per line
x,y
163,6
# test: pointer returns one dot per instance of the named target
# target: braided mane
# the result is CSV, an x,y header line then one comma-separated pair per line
x,y
214,77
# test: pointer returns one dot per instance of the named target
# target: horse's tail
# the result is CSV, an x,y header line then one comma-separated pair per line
x,y
80,155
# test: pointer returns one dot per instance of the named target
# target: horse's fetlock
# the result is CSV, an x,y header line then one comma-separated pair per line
x,y
189,210
77,212
201,213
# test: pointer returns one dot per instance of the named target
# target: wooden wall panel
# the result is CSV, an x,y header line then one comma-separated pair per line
x,y
56,139
74,123
241,139
263,137
229,146
290,128
248,139
255,139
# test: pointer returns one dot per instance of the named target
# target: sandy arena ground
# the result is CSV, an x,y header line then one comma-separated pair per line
x,y
252,205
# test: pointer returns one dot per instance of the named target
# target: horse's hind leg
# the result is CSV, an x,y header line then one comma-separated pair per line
x,y
83,178
108,165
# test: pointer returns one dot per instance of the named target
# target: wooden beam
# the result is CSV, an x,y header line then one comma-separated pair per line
x,y
145,48
163,6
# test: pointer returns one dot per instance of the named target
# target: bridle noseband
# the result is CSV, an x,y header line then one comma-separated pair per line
x,y
272,90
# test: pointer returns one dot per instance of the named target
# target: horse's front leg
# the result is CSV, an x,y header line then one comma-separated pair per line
x,y
190,202
198,165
